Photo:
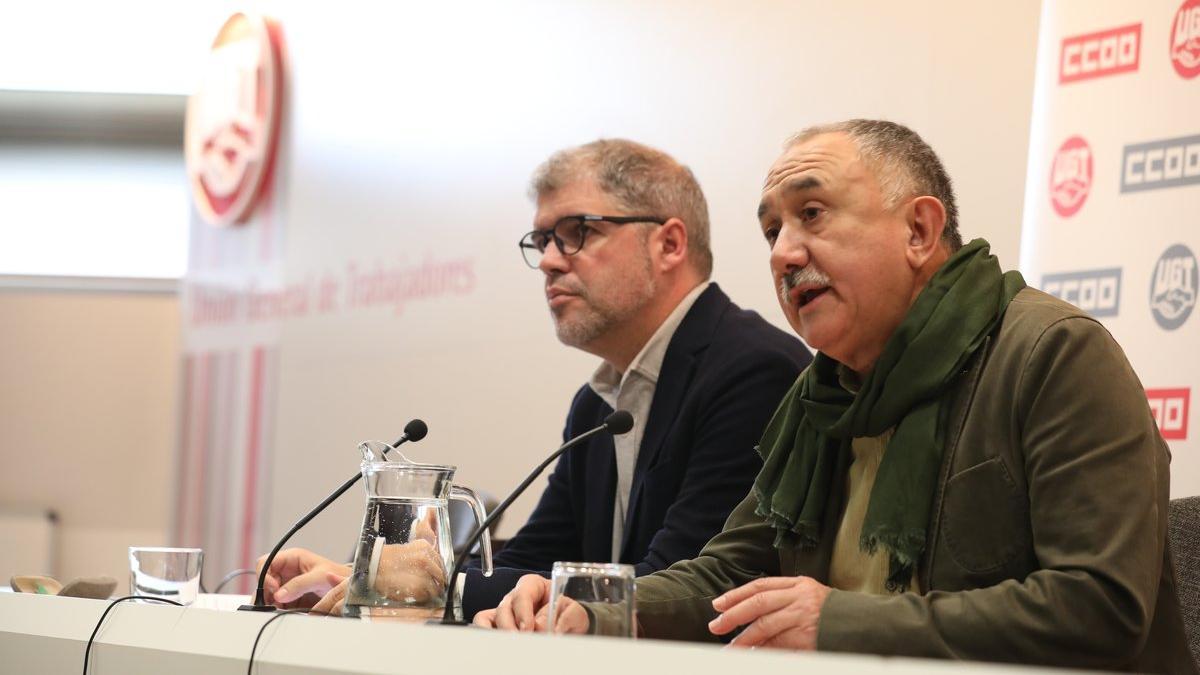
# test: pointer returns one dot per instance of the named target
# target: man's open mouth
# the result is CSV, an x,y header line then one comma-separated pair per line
x,y
807,296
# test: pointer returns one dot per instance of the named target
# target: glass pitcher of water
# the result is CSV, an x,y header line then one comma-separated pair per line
x,y
405,551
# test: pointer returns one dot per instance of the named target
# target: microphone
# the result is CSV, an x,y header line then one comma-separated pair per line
x,y
618,423
414,431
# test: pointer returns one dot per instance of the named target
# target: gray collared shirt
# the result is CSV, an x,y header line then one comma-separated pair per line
x,y
633,390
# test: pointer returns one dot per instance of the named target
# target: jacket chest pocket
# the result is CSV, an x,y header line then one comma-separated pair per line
x,y
985,526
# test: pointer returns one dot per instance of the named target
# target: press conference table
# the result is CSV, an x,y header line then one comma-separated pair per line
x,y
47,634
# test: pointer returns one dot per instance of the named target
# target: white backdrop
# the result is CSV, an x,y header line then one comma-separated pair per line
x,y
388,245
1113,189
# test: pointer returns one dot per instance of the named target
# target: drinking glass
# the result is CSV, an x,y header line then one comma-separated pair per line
x,y
607,589
167,573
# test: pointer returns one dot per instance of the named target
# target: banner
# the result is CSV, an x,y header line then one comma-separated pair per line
x,y
1112,202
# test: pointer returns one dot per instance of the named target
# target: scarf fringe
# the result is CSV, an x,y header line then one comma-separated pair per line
x,y
900,563
784,524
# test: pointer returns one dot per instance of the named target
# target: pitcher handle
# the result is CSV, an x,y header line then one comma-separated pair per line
x,y
485,540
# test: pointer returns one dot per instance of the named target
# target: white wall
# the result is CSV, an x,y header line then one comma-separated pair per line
x,y
411,133
99,197
87,417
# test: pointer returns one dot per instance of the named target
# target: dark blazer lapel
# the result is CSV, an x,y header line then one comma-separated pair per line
x,y
599,497
679,365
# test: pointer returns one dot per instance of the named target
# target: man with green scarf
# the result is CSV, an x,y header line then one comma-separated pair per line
x,y
968,469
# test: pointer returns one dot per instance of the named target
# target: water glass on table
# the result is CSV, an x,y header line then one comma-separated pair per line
x,y
167,573
607,589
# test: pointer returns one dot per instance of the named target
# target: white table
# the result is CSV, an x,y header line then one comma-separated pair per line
x,y
47,634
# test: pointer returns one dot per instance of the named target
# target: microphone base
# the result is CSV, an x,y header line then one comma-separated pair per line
x,y
457,621
256,608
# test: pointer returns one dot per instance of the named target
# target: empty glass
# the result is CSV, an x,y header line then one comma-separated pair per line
x,y
607,589
167,573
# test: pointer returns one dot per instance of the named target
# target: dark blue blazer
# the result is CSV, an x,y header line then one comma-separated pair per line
x,y
723,375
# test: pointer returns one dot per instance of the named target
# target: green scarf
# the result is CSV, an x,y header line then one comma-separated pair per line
x,y
962,303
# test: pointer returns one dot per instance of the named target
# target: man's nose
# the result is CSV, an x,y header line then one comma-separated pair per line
x,y
790,250
553,261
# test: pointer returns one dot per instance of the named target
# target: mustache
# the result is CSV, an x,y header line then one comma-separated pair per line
x,y
809,275
567,284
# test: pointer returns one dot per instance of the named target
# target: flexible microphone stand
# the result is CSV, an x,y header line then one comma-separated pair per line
x,y
618,423
413,431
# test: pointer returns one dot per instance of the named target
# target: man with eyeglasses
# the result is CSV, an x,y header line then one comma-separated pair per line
x,y
621,238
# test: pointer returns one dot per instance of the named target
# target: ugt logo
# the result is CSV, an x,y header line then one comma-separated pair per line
x,y
1173,287
1185,39
1170,409
233,121
1107,52
1097,292
1071,176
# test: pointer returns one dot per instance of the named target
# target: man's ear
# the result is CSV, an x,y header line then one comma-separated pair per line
x,y
926,218
671,243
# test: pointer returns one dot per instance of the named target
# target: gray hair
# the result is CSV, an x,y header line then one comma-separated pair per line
x,y
642,179
903,163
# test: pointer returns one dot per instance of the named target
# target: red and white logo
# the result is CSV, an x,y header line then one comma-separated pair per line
x,y
1107,52
1170,408
1185,39
233,120
1071,176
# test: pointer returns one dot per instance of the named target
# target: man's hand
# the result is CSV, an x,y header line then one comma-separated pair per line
x,y
783,612
298,577
572,618
411,573
335,599
526,608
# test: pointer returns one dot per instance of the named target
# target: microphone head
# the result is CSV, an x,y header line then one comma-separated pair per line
x,y
619,422
416,430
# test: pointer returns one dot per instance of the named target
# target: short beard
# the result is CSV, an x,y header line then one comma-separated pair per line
x,y
601,317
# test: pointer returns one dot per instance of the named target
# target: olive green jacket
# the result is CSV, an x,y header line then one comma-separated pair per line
x,y
1047,540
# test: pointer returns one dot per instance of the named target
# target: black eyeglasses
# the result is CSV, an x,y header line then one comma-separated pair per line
x,y
569,234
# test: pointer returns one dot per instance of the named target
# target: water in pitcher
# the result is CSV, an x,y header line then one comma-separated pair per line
x,y
403,557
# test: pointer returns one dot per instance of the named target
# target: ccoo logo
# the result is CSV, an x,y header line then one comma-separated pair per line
x,y
1107,52
1166,163
1170,410
1173,287
1071,176
1097,292
1185,39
